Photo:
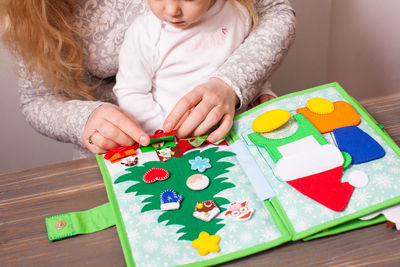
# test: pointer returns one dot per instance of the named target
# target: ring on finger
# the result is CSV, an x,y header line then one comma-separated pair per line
x,y
90,138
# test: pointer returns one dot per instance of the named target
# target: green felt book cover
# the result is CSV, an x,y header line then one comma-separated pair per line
x,y
309,177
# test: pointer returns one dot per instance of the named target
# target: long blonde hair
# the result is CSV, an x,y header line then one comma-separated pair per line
x,y
250,6
41,33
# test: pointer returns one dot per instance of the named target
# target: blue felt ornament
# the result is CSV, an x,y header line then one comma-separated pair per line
x,y
170,200
360,145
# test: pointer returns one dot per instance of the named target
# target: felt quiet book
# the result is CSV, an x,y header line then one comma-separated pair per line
x,y
302,166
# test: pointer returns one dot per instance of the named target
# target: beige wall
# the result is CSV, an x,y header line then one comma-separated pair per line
x,y
22,147
354,42
364,51
306,64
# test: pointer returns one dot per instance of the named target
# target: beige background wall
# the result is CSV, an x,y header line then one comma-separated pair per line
x,y
364,50
354,42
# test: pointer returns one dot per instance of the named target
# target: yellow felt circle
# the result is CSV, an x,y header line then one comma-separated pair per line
x,y
270,120
320,105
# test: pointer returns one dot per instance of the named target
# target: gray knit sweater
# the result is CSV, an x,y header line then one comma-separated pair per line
x,y
103,23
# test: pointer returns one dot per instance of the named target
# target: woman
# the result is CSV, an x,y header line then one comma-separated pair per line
x,y
68,58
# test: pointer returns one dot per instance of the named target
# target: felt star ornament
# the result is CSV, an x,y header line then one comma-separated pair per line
x,y
206,243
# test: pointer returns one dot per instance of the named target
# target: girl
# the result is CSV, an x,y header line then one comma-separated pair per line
x,y
68,57
176,46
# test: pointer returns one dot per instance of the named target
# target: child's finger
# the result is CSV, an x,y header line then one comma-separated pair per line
x,y
222,130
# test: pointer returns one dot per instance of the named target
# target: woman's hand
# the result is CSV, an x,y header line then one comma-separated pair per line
x,y
204,107
110,126
261,99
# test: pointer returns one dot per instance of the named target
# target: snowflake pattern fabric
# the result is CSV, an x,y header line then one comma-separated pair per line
x,y
381,187
143,228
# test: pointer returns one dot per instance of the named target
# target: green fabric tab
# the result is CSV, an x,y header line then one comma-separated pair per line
x,y
168,142
82,222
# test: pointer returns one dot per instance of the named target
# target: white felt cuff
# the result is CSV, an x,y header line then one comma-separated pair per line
x,y
309,162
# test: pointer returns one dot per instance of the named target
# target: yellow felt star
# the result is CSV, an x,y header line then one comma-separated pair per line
x,y
206,243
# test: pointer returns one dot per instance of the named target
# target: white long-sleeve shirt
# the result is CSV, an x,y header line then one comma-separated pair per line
x,y
159,64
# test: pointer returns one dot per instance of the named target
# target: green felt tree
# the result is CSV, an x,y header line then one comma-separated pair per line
x,y
179,170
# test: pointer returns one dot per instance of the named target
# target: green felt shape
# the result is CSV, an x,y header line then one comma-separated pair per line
x,y
304,129
168,142
81,222
198,141
180,171
347,160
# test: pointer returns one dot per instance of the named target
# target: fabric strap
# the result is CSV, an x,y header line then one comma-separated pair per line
x,y
82,222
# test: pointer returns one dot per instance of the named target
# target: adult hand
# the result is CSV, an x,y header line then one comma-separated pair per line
x,y
202,108
261,99
110,126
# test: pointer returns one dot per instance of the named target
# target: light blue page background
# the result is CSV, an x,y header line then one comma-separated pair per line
x,y
154,244
303,212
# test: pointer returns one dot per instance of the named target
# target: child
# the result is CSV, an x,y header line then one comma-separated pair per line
x,y
177,46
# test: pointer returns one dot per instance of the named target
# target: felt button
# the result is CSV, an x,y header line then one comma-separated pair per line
x,y
270,120
358,178
320,105
60,225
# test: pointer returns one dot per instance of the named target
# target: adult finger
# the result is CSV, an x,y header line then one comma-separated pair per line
x,y
185,104
195,118
101,143
112,132
222,130
264,98
126,122
213,117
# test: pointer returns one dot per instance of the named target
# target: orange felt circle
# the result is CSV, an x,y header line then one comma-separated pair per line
x,y
270,120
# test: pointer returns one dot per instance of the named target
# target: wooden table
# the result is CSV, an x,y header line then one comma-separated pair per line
x,y
28,196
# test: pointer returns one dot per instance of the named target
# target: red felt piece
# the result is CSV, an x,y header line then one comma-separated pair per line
x,y
110,153
325,188
161,133
155,174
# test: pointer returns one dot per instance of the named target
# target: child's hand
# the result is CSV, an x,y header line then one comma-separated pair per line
x,y
204,107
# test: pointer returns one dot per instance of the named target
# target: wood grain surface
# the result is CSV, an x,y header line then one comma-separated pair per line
x,y
28,196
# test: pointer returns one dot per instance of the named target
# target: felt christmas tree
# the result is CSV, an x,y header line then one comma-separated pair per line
x,y
166,181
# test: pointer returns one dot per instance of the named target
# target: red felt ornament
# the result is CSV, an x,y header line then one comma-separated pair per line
x,y
155,174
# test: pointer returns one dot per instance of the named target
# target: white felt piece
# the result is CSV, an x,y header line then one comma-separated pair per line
x,y
207,216
358,178
391,214
370,216
170,206
298,146
148,156
308,162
